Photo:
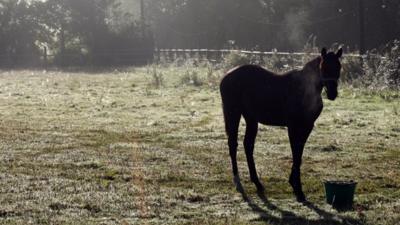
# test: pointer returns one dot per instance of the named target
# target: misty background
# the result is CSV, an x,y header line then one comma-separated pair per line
x,y
112,31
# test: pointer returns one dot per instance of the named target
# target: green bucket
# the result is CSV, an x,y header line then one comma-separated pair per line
x,y
340,194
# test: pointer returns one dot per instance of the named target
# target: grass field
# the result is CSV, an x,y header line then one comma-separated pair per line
x,y
141,146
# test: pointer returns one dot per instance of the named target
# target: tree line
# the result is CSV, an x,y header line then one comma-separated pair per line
x,y
267,24
126,31
74,32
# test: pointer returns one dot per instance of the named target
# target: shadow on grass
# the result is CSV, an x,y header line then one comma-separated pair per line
x,y
290,218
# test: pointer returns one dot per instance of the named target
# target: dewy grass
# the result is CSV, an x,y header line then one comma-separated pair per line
x,y
102,148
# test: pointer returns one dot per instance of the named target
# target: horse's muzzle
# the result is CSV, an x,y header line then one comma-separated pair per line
x,y
331,90
332,95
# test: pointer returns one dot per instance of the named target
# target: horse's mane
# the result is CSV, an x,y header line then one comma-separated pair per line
x,y
313,64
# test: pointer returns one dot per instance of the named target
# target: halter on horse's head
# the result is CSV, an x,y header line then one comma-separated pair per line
x,y
330,72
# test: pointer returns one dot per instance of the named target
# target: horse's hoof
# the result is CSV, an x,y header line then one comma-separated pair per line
x,y
301,198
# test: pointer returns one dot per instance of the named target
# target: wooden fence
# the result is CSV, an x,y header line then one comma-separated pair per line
x,y
137,57
218,55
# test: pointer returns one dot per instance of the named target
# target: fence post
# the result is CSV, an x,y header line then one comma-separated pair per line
x,y
200,55
163,56
218,55
45,56
206,54
157,56
262,61
170,55
184,56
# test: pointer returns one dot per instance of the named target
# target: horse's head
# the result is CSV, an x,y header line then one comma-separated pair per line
x,y
330,72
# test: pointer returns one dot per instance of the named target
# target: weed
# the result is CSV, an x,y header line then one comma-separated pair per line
x,y
157,77
235,58
213,77
191,77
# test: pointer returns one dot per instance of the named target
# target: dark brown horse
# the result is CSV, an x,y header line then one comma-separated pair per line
x,y
292,100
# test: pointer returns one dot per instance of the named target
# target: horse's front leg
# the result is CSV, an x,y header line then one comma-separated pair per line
x,y
249,139
298,135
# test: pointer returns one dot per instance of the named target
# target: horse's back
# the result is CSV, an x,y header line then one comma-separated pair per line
x,y
258,93
255,80
243,77
249,73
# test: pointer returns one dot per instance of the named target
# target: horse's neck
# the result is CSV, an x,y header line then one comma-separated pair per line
x,y
311,71
311,81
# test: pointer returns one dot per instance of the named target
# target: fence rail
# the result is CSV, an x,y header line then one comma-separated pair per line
x,y
227,51
132,56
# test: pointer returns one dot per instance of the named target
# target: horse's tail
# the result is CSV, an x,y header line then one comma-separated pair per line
x,y
230,103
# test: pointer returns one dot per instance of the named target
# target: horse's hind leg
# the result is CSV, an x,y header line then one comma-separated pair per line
x,y
249,139
232,120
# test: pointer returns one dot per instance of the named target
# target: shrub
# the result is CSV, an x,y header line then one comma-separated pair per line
x,y
389,67
351,69
213,76
191,77
279,63
383,70
157,78
235,58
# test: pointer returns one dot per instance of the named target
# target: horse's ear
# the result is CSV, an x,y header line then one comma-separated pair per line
x,y
323,52
339,53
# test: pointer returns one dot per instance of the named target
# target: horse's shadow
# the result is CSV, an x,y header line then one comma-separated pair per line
x,y
291,218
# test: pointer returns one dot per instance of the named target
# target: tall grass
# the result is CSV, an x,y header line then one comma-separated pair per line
x,y
386,69
156,76
375,72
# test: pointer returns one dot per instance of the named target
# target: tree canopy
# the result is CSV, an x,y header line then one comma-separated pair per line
x,y
75,31
108,31
267,24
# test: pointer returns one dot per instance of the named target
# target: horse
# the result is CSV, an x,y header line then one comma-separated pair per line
x,y
291,100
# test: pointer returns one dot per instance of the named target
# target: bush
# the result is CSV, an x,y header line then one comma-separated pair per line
x,y
389,67
213,77
351,69
383,70
191,77
235,58
278,63
157,78
200,74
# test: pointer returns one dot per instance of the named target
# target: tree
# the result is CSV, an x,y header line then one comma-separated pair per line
x,y
21,32
96,31
267,24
